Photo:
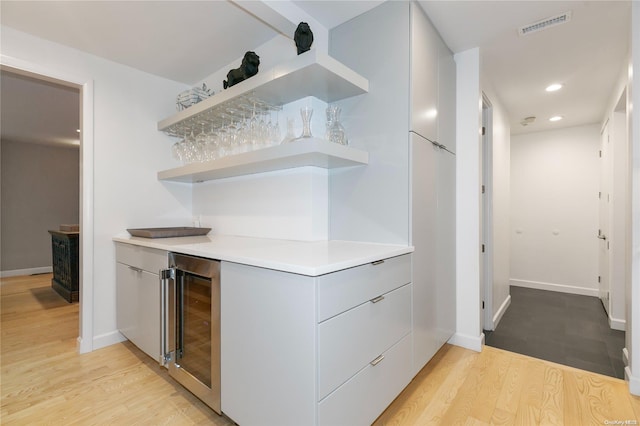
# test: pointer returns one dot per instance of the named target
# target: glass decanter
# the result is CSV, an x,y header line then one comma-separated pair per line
x,y
335,129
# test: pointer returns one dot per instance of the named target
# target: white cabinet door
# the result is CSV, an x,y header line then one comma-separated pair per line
x,y
138,308
424,201
446,97
445,305
126,300
424,75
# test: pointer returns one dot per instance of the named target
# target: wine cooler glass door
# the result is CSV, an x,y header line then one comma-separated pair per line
x,y
194,348
196,360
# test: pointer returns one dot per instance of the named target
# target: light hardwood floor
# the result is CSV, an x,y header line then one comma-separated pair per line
x,y
44,380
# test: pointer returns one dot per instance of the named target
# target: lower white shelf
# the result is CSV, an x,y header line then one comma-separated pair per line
x,y
308,152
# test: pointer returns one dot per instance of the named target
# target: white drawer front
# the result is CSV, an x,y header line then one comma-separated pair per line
x,y
363,398
350,341
147,259
342,290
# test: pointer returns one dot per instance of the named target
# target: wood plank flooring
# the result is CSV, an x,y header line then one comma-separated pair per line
x,y
44,380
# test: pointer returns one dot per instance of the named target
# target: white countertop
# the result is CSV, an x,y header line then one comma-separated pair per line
x,y
310,258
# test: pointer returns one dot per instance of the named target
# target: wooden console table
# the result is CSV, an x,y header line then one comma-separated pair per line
x,y
64,252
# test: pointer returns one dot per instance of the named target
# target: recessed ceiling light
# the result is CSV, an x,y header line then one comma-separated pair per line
x,y
556,118
553,87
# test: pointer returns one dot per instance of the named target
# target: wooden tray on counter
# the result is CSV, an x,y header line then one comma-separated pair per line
x,y
171,232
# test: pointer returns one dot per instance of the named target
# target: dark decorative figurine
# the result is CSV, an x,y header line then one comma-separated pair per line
x,y
303,37
248,68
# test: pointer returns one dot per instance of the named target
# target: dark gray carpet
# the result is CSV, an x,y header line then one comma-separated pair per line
x,y
565,328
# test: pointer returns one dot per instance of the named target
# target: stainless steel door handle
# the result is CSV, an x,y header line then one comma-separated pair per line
x,y
377,360
602,237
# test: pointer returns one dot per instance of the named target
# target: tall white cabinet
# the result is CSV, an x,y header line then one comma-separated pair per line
x,y
407,192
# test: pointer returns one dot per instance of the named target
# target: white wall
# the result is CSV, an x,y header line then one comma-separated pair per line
x,y
468,123
554,209
372,203
128,152
289,204
500,199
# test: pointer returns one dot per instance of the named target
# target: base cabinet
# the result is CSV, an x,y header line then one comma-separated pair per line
x,y
294,354
138,296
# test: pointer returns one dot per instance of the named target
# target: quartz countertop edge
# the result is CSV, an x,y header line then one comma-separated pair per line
x,y
311,258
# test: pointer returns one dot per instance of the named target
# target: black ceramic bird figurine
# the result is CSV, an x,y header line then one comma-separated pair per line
x,y
303,37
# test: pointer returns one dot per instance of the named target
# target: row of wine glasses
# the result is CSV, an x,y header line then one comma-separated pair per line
x,y
243,124
241,127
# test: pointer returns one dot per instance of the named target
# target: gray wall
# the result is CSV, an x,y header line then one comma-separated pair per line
x,y
40,191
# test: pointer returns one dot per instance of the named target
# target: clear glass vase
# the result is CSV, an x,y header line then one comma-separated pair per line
x,y
306,113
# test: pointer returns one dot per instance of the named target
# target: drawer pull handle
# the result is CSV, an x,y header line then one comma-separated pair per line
x,y
133,268
377,262
377,360
377,299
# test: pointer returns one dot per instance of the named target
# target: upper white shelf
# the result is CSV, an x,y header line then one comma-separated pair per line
x,y
308,152
309,74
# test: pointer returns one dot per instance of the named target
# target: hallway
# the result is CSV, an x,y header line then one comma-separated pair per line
x,y
565,328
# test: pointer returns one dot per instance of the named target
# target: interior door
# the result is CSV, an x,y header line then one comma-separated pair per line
x,y
603,228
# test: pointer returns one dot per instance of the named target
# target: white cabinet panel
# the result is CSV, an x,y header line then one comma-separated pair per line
x,y
147,259
126,300
138,296
343,290
138,308
446,98
446,249
424,186
351,340
424,75
268,346
361,400
433,236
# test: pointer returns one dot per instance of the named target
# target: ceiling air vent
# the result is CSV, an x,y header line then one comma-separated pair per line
x,y
545,23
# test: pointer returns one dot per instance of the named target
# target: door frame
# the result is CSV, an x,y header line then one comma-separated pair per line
x,y
85,85
604,216
486,213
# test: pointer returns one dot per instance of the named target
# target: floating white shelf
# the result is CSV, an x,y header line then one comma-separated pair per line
x,y
308,152
309,74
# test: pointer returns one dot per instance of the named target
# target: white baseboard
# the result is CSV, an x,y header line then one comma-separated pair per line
x,y
28,271
634,381
474,343
503,308
617,324
625,356
562,288
107,339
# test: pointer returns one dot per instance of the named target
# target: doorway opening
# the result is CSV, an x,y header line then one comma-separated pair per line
x,y
562,195
84,85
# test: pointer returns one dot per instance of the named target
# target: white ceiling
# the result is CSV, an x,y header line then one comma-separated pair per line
x,y
586,54
188,40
